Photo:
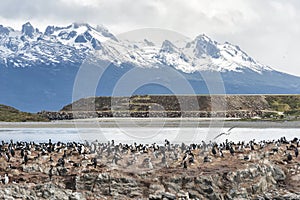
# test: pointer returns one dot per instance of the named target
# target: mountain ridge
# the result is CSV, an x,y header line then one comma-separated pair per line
x,y
73,43
39,69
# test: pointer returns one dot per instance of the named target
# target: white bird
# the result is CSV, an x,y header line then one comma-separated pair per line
x,y
225,133
6,179
150,166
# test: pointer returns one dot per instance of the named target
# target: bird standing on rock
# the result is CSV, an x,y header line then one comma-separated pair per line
x,y
150,165
50,172
296,152
289,157
231,150
7,156
25,159
94,162
185,165
214,152
221,154
6,179
22,153
12,152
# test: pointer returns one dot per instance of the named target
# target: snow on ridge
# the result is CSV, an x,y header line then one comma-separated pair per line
x,y
75,42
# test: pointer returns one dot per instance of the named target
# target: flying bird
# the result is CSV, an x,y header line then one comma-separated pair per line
x,y
224,133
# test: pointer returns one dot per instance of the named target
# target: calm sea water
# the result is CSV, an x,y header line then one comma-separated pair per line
x,y
144,135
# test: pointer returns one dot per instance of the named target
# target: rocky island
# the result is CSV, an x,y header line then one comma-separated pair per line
x,y
94,170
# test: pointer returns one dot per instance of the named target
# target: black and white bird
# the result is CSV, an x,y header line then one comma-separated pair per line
x,y
184,165
51,172
224,133
221,154
7,156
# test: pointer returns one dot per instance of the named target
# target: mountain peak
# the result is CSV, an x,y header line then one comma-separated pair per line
x,y
168,47
80,24
4,30
27,29
49,30
100,29
27,24
204,46
204,37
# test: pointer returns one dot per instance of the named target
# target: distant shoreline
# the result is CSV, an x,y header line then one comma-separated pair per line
x,y
152,122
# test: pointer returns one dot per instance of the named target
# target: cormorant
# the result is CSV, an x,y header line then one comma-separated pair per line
x,y
289,157
296,152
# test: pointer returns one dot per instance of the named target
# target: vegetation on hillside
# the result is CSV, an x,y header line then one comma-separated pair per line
x,y
10,114
289,104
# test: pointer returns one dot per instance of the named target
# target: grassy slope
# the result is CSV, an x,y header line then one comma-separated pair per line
x,y
285,103
10,114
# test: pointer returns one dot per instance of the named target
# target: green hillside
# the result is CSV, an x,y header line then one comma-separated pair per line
x,y
10,114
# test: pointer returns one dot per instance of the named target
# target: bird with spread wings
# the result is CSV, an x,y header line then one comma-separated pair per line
x,y
225,133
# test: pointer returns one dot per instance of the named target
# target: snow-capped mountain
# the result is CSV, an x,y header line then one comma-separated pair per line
x,y
73,43
37,69
31,47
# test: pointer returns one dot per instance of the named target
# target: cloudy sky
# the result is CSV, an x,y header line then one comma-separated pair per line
x,y
268,30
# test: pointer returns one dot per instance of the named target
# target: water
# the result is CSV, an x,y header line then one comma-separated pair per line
x,y
144,135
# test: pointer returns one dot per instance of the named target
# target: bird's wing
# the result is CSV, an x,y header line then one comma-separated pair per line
x,y
219,135
231,128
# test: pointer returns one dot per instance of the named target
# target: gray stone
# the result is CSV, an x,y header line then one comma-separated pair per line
x,y
261,186
278,173
155,197
46,194
169,196
76,196
7,197
183,195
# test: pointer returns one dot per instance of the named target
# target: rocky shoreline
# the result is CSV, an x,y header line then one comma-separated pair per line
x,y
237,114
256,170
263,181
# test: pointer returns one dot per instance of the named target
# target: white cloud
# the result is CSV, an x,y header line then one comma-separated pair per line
x,y
268,30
